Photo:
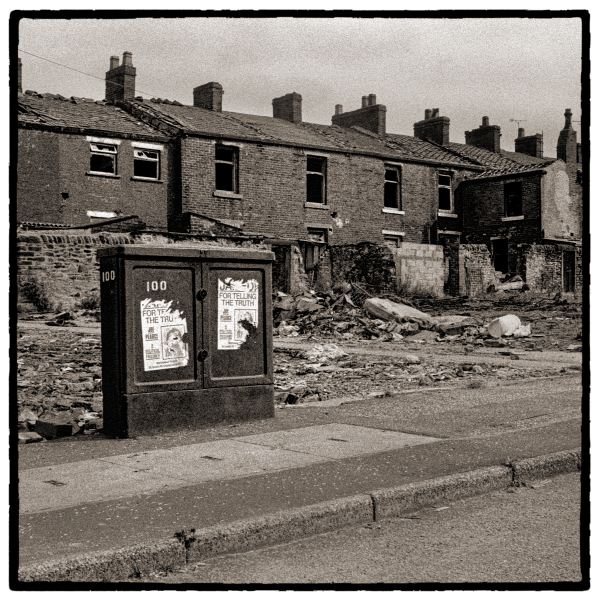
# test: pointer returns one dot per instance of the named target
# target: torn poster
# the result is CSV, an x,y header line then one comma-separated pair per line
x,y
163,331
238,312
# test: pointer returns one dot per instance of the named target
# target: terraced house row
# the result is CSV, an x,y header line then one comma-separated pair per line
x,y
306,187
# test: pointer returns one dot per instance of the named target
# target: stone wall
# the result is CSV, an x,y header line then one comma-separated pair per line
x,y
63,265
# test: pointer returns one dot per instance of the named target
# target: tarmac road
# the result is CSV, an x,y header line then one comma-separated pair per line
x,y
529,535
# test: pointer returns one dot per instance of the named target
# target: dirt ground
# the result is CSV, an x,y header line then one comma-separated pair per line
x,y
60,371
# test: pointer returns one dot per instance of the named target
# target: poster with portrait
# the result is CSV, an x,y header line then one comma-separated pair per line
x,y
163,335
237,311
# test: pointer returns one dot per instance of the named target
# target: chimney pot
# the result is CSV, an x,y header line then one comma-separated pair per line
x,y
521,132
372,99
435,112
339,109
427,113
434,128
120,80
365,101
485,121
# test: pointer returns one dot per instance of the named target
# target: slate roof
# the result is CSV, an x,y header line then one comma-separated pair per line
x,y
53,110
503,163
227,124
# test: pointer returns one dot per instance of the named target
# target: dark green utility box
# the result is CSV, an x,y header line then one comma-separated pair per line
x,y
186,337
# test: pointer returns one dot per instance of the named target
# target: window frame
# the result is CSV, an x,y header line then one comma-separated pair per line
x,y
95,150
398,169
512,214
445,211
234,168
323,174
158,162
393,236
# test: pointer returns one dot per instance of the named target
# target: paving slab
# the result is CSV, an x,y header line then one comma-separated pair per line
x,y
106,525
73,483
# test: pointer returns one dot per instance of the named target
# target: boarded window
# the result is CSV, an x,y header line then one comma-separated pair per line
x,y
146,164
226,167
103,158
513,199
445,193
391,189
316,172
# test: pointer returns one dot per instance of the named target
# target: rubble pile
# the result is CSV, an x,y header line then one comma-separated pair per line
x,y
383,319
59,385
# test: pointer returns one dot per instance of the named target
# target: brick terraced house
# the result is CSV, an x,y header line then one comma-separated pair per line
x,y
302,185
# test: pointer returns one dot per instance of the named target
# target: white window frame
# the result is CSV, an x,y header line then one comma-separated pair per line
x,y
398,208
443,211
235,163
95,150
325,161
157,160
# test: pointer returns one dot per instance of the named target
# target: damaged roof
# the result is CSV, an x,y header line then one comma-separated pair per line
x,y
200,121
84,114
502,163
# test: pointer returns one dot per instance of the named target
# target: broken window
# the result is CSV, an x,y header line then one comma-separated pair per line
x,y
513,199
226,167
391,188
316,171
146,164
445,193
103,158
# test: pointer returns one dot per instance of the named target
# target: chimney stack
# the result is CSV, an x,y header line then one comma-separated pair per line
x,y
370,116
521,132
120,80
433,128
209,96
566,148
485,136
533,145
339,109
288,107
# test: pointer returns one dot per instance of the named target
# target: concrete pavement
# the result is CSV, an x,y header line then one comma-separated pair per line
x,y
128,498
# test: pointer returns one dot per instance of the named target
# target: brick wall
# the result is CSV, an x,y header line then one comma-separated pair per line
x,y
367,264
272,192
542,267
482,207
52,165
475,270
420,269
66,265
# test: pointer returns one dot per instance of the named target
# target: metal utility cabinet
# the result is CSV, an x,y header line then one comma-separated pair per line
x,y
186,337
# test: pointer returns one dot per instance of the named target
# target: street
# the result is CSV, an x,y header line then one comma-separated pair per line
x,y
526,534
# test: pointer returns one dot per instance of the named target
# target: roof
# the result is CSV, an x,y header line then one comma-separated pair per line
x,y
53,110
502,163
200,121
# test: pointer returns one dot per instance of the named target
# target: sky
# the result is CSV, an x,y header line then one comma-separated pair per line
x,y
516,68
